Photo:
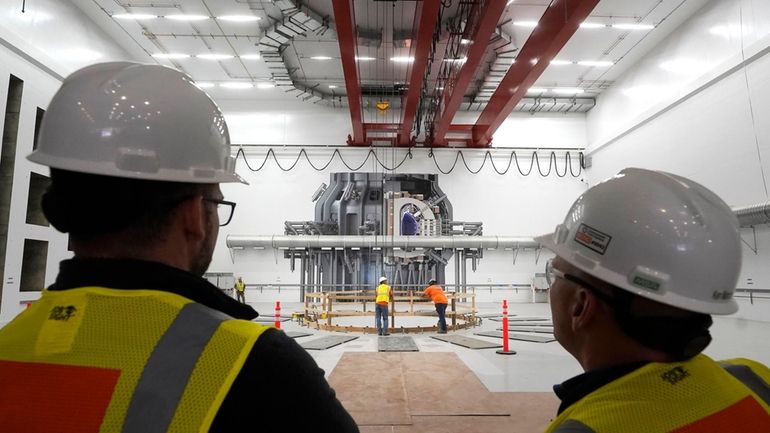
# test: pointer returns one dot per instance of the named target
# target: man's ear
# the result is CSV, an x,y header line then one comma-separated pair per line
x,y
191,216
583,309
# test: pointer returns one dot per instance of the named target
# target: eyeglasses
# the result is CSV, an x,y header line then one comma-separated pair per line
x,y
225,209
551,274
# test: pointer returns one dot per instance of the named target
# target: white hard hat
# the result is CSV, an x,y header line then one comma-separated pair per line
x,y
383,279
137,121
657,235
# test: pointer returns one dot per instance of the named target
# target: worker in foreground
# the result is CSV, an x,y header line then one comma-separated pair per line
x,y
383,294
436,294
130,338
642,262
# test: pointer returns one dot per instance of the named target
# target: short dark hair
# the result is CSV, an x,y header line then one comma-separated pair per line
x,y
679,333
89,205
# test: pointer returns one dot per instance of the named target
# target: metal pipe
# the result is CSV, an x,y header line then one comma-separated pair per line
x,y
343,241
753,215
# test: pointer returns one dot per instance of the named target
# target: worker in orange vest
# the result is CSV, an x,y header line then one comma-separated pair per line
x,y
436,294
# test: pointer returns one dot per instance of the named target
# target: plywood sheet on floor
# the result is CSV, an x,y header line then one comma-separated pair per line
x,y
371,387
324,343
297,334
469,342
400,343
428,392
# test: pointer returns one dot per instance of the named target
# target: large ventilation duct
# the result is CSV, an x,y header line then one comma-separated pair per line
x,y
403,242
753,215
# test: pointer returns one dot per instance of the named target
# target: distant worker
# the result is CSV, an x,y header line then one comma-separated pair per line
x,y
240,290
436,294
383,296
642,262
409,226
130,338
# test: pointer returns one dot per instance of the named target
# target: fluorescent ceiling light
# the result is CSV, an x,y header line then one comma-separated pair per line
x,y
597,63
214,56
320,58
530,24
364,58
460,60
537,90
134,16
170,56
187,17
465,41
585,25
561,62
567,90
250,56
632,26
265,85
400,59
332,86
236,85
204,85
239,18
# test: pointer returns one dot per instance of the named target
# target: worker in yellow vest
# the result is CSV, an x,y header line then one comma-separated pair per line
x,y
240,290
436,294
383,295
129,337
642,262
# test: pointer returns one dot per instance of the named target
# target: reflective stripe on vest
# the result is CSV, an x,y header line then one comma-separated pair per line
x,y
752,380
106,360
166,373
697,395
573,426
383,293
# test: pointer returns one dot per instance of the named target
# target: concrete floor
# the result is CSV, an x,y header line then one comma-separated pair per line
x,y
517,388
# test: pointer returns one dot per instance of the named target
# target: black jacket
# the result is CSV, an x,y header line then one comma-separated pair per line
x,y
280,382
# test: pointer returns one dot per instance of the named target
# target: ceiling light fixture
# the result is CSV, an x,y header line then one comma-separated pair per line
x,y
585,25
170,56
537,90
204,85
214,56
236,85
320,58
529,24
239,18
134,16
401,59
364,58
332,86
250,56
568,91
632,26
265,85
597,63
183,17
561,62
460,60
465,41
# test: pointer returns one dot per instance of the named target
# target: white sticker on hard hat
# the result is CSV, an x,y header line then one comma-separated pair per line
x,y
592,239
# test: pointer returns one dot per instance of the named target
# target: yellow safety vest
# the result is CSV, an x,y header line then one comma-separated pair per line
x,y
383,294
105,360
694,396
240,286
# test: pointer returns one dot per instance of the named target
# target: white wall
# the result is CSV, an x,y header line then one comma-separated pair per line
x,y
54,35
509,204
706,121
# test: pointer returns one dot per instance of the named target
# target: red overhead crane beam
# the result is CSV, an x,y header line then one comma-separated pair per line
x,y
428,15
557,25
493,9
343,18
